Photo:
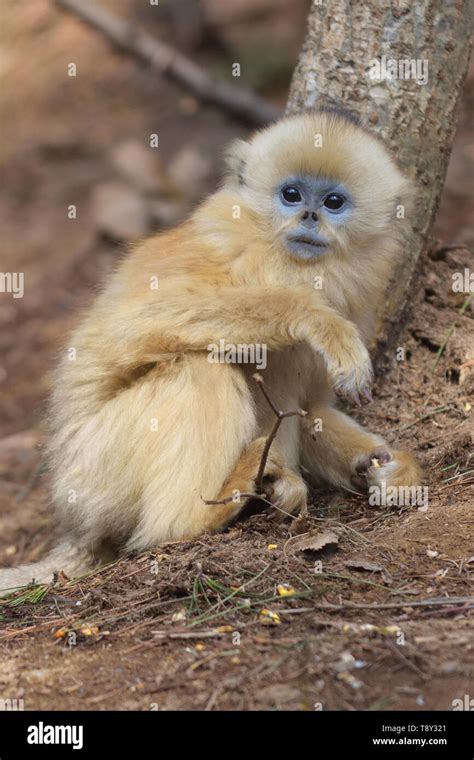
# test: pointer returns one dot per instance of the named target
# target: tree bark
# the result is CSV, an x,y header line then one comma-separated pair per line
x,y
417,121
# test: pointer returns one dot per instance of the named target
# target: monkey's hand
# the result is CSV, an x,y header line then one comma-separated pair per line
x,y
276,316
347,360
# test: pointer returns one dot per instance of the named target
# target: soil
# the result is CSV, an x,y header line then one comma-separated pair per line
x,y
381,617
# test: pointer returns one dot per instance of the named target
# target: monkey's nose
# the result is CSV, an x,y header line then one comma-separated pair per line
x,y
309,219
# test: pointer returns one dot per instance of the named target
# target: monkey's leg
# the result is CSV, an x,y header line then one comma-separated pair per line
x,y
184,514
338,450
282,486
205,421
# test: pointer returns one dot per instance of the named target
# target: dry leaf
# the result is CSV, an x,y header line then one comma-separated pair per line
x,y
62,578
312,542
361,563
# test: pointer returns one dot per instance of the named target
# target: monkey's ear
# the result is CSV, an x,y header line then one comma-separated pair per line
x,y
237,156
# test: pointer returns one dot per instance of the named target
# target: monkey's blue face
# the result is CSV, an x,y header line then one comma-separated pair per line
x,y
309,208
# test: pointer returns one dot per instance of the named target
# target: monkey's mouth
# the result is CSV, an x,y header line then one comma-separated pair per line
x,y
306,245
308,241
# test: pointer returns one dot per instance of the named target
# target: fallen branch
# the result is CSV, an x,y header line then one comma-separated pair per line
x,y
405,660
426,416
436,602
239,101
280,416
166,634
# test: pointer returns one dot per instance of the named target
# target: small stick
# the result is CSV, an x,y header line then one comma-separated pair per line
x,y
405,660
426,416
280,416
163,634
453,600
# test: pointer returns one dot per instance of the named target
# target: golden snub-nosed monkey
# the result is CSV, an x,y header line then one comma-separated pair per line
x,y
145,427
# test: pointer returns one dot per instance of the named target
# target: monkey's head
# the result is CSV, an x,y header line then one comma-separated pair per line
x,y
319,185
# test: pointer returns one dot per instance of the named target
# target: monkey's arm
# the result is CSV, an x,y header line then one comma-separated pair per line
x,y
275,316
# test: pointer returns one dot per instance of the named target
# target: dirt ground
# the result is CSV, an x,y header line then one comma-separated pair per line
x,y
380,617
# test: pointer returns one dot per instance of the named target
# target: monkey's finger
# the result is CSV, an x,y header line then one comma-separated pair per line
x,y
376,458
351,396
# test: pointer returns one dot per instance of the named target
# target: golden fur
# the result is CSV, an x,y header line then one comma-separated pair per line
x,y
144,428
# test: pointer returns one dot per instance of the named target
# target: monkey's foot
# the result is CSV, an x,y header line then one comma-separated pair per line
x,y
391,477
287,492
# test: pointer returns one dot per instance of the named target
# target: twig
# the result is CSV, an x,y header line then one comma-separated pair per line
x,y
444,610
215,694
405,660
239,101
165,634
280,416
426,416
453,600
459,475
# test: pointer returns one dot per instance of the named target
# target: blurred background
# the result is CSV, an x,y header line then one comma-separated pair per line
x,y
84,140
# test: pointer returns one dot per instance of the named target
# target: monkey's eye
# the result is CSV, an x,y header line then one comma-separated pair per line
x,y
334,201
291,194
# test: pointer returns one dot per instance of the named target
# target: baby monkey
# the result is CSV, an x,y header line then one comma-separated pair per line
x,y
292,253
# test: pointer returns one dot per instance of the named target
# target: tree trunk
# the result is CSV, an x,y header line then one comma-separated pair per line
x,y
417,121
